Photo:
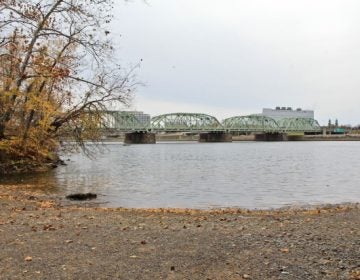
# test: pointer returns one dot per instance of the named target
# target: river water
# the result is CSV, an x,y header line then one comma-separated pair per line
x,y
250,175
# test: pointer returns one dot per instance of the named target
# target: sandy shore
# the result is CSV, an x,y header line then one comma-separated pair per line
x,y
45,238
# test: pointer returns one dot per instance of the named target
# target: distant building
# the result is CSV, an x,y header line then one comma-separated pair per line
x,y
287,112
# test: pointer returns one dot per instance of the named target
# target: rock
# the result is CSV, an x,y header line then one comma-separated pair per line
x,y
82,196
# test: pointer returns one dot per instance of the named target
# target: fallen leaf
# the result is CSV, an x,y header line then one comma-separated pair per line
x,y
48,227
46,204
284,250
355,275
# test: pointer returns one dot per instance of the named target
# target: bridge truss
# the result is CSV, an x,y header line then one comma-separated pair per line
x,y
185,122
252,123
123,121
259,123
196,123
299,125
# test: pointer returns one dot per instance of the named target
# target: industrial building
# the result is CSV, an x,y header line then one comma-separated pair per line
x,y
287,112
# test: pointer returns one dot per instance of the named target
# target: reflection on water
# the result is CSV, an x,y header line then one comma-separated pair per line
x,y
47,182
249,175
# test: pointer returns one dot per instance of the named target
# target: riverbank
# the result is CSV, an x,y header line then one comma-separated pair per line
x,y
239,138
334,137
10,164
45,237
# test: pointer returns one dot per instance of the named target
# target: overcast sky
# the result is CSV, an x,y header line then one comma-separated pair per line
x,y
235,57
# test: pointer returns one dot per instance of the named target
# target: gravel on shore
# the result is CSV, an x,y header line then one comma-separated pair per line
x,y
46,239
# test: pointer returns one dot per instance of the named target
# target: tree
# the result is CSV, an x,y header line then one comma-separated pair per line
x,y
56,74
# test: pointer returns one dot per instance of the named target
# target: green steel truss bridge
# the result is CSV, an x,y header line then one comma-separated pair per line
x,y
197,123
185,122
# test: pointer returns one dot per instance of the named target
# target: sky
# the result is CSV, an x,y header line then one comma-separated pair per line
x,y
234,57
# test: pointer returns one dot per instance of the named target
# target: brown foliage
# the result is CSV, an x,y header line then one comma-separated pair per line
x,y
56,78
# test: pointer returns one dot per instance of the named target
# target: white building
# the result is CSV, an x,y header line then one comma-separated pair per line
x,y
287,112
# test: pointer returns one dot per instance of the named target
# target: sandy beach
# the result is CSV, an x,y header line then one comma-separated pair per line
x,y
50,238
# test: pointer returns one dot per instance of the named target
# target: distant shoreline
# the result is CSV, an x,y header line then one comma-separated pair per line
x,y
239,138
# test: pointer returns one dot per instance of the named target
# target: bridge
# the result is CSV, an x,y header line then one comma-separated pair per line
x,y
208,127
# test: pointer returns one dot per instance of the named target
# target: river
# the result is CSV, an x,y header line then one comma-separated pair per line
x,y
251,175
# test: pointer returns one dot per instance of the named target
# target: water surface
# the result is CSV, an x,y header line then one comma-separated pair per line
x,y
199,175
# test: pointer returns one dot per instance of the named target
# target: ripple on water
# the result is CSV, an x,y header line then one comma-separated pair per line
x,y
244,174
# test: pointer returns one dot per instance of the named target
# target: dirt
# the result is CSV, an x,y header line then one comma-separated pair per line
x,y
49,238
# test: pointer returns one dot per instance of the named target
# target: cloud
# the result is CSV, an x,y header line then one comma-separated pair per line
x,y
157,107
236,56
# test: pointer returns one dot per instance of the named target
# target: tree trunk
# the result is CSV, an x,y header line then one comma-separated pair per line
x,y
2,131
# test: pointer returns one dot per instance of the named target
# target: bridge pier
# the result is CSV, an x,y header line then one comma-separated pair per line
x,y
139,138
211,137
271,137
295,137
